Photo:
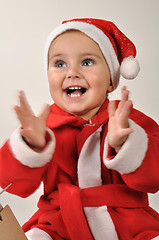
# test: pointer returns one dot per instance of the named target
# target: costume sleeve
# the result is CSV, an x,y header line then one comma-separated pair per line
x,y
138,159
22,166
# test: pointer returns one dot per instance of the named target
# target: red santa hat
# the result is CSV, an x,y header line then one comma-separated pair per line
x,y
118,50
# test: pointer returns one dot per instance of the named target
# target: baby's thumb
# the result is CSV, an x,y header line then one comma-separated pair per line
x,y
45,112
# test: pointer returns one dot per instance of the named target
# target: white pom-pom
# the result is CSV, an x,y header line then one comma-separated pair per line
x,y
129,68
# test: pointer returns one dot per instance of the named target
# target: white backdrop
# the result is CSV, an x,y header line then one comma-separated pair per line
x,y
24,26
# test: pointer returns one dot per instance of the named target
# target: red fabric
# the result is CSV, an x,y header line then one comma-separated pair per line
x,y
122,45
70,202
125,195
113,195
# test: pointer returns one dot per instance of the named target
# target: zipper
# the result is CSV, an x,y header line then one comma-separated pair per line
x,y
89,123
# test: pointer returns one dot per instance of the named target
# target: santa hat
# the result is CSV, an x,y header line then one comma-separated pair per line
x,y
118,50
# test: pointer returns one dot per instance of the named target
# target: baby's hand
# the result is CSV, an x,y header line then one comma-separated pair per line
x,y
118,126
33,127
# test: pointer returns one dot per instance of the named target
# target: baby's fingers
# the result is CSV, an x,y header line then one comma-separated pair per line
x,y
124,133
20,115
126,110
124,98
24,105
111,108
23,110
18,112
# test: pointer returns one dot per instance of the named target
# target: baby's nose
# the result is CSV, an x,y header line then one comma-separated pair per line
x,y
73,73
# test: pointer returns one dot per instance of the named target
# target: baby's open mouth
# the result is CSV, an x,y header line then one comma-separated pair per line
x,y
75,91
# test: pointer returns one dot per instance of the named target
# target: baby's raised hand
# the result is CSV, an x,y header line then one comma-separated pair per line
x,y
118,126
33,128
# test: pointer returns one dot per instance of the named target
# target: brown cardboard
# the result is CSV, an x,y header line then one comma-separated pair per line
x,y
10,229
1,207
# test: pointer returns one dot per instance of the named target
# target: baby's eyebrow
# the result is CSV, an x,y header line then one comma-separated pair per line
x,y
90,55
82,55
58,55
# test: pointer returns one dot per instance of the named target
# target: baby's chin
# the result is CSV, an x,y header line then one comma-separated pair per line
x,y
86,115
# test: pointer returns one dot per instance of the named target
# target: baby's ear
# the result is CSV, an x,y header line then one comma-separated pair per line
x,y
110,87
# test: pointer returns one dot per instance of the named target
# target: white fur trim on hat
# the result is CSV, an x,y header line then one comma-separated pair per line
x,y
98,36
28,157
132,153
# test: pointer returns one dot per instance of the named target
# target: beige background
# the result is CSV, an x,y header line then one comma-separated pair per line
x,y
24,26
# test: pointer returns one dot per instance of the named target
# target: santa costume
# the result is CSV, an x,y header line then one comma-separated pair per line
x,y
90,191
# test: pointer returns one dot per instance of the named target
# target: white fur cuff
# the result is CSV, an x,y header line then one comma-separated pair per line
x,y
132,153
24,154
37,234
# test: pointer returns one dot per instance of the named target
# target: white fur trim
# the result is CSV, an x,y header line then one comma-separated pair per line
x,y
98,36
132,153
89,164
24,154
156,238
37,234
89,175
100,222
129,68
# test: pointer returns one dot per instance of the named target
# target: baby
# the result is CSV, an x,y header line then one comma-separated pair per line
x,y
97,159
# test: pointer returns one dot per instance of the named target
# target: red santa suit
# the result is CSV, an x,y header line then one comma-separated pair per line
x,y
89,191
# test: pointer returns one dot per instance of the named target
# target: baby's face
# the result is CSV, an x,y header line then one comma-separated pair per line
x,y
79,77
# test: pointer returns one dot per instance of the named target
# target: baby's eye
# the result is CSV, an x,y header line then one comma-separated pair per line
x,y
87,62
60,64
